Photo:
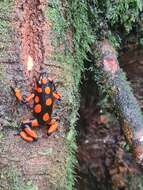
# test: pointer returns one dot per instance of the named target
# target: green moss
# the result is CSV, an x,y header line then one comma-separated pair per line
x,y
127,103
77,17
5,86
71,102
11,180
5,40
89,22
7,54
73,19
5,29
115,19
135,182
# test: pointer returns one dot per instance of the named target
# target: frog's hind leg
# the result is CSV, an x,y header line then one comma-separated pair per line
x,y
25,136
26,132
53,126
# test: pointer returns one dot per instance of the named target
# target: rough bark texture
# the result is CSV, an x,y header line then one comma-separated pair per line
x,y
126,104
41,165
101,138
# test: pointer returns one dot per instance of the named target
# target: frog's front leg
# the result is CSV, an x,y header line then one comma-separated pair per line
x,y
57,95
26,132
17,94
53,126
20,98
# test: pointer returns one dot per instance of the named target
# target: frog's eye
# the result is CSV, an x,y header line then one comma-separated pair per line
x,y
53,86
40,79
38,82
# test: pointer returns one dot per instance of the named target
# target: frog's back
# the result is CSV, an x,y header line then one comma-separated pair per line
x,y
43,102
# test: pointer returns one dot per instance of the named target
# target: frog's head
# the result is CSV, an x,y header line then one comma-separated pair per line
x,y
43,79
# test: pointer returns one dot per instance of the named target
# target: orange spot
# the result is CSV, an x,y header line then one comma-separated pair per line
x,y
36,99
47,90
44,80
48,101
46,117
39,90
38,108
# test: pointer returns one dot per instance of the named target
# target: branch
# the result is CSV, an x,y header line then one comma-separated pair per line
x,y
131,118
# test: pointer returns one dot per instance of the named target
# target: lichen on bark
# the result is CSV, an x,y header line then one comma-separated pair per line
x,y
125,102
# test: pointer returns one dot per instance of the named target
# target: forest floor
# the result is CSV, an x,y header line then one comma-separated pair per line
x,y
105,161
42,164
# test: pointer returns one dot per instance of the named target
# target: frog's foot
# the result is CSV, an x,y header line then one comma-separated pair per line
x,y
26,137
53,127
27,133
21,98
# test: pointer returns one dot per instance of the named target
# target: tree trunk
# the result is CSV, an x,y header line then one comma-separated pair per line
x,y
124,101
48,163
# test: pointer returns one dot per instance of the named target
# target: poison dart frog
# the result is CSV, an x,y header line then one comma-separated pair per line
x,y
44,95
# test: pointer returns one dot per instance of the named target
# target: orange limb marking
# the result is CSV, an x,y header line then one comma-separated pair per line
x,y
35,123
57,95
30,132
53,121
53,127
29,98
18,94
25,136
37,108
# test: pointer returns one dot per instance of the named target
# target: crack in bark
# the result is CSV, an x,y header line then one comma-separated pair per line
x,y
30,29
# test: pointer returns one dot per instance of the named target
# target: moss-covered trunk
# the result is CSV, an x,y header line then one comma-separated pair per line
x,y
31,28
126,105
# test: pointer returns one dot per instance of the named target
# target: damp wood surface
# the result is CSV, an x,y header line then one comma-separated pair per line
x,y
105,159
127,106
42,164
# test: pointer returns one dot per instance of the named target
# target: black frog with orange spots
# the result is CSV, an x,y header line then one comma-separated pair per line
x,y
44,95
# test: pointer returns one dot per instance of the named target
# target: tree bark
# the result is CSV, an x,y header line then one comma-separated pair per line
x,y
46,163
127,107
